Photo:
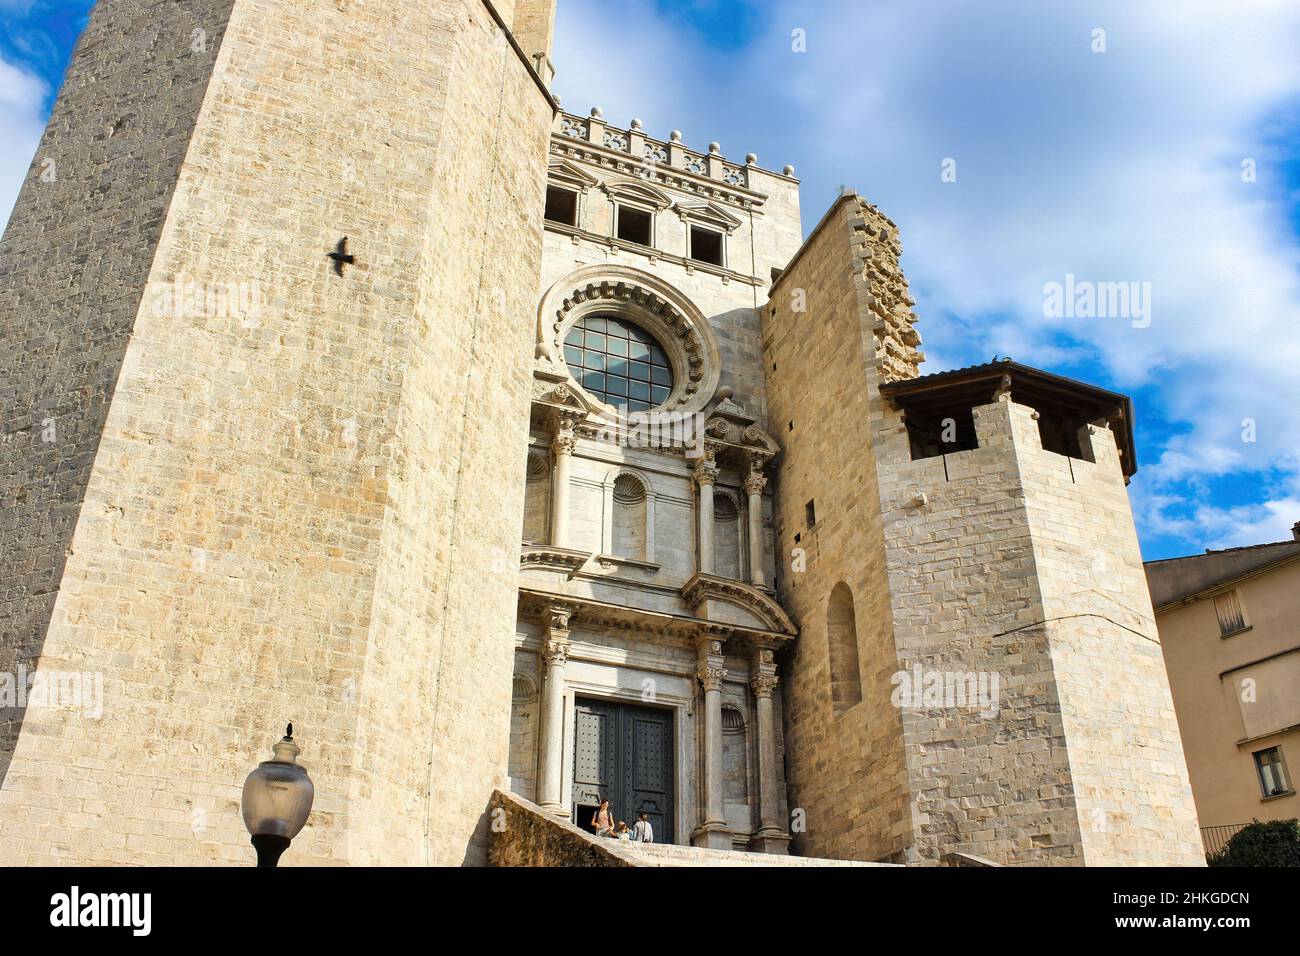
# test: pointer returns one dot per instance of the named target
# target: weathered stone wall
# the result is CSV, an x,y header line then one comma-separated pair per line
x,y
1127,766
1024,564
311,512
1006,561
966,600
848,781
73,265
524,835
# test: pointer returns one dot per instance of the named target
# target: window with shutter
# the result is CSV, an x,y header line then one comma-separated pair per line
x,y
1231,617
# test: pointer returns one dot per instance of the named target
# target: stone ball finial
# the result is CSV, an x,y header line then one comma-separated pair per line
x,y
675,136
556,97
751,159
789,170
714,149
726,392
636,123
596,112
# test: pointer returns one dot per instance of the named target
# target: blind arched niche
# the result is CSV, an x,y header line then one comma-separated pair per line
x,y
842,639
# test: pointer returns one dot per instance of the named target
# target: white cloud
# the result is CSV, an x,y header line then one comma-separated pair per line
x,y
22,96
1115,166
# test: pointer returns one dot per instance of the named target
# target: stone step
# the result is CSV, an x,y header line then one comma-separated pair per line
x,y
663,854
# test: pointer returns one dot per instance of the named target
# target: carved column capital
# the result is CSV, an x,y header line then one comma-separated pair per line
x,y
564,443
763,677
754,483
711,676
705,472
555,652
710,669
564,438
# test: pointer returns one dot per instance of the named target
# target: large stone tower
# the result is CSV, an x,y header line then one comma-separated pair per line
x,y
244,483
978,669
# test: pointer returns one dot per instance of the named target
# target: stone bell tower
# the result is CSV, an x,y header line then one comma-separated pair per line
x,y
245,482
978,670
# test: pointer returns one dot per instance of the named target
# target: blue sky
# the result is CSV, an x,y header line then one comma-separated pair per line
x,y
1117,166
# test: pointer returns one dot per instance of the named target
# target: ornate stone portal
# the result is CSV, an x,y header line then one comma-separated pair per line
x,y
654,599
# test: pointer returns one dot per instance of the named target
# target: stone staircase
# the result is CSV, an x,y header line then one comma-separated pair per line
x,y
525,835
665,854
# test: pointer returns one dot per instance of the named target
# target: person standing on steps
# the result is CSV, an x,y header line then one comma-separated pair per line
x,y
643,832
602,821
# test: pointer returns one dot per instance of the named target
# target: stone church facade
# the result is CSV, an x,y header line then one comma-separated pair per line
x,y
589,477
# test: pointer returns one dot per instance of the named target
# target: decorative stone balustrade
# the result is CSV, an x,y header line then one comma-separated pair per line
x,y
633,141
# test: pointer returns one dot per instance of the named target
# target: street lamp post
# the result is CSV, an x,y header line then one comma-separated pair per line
x,y
277,800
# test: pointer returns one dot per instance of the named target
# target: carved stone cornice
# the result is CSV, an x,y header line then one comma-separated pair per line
x,y
709,587
547,557
644,624
664,175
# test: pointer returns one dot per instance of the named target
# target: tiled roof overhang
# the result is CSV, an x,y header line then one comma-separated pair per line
x,y
929,395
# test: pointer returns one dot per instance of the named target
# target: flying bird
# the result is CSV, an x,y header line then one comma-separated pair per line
x,y
340,255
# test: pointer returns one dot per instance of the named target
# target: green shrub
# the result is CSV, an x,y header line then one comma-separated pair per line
x,y
1276,843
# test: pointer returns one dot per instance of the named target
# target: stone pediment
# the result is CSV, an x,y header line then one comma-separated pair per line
x,y
569,174
724,429
707,591
550,560
707,214
549,391
637,191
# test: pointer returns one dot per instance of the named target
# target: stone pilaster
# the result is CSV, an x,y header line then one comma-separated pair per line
x,y
755,482
705,475
550,745
772,836
712,831
562,447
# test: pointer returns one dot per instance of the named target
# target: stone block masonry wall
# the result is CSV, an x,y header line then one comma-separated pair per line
x,y
309,510
1024,564
847,777
73,265
966,600
1126,759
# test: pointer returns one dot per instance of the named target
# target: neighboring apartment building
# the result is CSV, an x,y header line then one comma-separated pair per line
x,y
1228,626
